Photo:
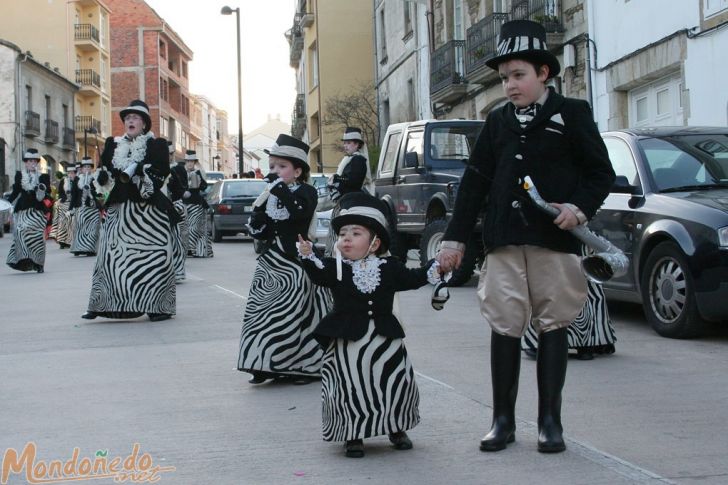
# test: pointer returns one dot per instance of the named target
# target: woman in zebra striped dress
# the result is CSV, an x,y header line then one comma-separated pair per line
x,y
590,333
283,305
30,190
85,207
133,274
175,190
369,386
199,243
63,219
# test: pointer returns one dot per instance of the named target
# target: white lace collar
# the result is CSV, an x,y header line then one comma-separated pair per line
x,y
366,272
279,213
130,151
28,180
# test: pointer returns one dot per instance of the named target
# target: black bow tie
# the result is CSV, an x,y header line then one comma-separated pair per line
x,y
529,110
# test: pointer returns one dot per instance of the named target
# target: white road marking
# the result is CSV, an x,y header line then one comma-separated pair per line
x,y
229,291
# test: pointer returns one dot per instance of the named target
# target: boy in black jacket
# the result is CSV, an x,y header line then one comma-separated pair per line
x,y
532,264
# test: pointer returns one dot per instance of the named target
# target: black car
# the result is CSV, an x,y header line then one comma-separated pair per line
x,y
231,202
668,212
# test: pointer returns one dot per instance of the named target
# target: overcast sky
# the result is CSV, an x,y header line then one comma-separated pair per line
x,y
269,85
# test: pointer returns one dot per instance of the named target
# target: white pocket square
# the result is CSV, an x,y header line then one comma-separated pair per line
x,y
557,119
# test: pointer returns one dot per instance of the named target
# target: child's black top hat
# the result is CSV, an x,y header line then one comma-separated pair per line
x,y
291,149
364,210
524,39
352,134
31,154
139,107
191,156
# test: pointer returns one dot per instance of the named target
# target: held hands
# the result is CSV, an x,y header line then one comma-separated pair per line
x,y
304,247
566,219
187,194
449,259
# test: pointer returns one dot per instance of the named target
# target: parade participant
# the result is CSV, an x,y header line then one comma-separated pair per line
x,y
62,229
532,261
30,192
175,190
199,242
134,273
283,305
377,395
86,215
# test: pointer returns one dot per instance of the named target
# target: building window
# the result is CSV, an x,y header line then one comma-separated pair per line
x,y
713,7
164,89
657,104
385,114
29,98
313,66
47,107
382,37
407,20
104,117
65,116
162,49
102,29
184,69
411,109
164,128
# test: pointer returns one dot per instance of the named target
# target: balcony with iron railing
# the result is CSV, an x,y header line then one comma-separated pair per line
x,y
32,123
545,12
87,123
482,44
51,131
86,36
447,72
69,138
89,80
298,117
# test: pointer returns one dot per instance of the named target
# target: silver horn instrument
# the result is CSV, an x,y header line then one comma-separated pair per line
x,y
126,175
193,180
40,192
608,260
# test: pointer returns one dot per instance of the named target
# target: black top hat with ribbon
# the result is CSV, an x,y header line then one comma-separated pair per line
x,y
364,210
352,134
87,162
191,156
31,154
524,39
291,149
139,107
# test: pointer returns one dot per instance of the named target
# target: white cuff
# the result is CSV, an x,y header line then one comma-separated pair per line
x,y
311,257
458,246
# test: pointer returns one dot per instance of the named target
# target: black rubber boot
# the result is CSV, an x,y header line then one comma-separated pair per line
x,y
553,353
505,366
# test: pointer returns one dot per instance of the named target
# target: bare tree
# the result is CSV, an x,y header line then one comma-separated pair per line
x,y
357,107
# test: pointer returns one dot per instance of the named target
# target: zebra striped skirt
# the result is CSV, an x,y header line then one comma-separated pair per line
x,y
86,222
27,250
133,273
179,242
199,243
62,224
282,310
368,388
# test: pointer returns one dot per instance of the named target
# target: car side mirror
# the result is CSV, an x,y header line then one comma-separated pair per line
x,y
411,160
622,186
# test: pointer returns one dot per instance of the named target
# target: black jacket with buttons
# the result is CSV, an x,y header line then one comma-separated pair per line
x,y
563,153
26,199
353,309
301,205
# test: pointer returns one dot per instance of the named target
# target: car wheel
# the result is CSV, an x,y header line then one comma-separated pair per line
x,y
397,240
430,243
668,293
216,234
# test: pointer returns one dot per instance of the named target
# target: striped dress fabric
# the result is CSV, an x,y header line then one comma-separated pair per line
x,y
179,242
86,223
368,388
28,247
280,315
133,273
199,243
62,223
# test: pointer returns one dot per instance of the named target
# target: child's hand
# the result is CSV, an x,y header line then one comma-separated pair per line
x,y
304,247
566,219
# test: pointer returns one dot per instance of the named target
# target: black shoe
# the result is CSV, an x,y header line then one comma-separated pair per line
x,y
301,380
584,354
355,448
39,269
505,367
258,378
158,317
400,440
553,353
89,315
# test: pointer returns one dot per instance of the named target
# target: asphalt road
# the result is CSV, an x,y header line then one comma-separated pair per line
x,y
656,411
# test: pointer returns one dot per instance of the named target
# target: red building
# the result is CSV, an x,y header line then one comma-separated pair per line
x,y
149,61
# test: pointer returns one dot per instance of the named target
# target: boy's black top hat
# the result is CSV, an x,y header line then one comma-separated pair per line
x,y
524,39
88,161
31,154
139,107
71,168
291,149
364,210
352,134
191,156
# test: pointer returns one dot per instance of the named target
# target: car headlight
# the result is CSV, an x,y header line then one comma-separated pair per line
x,y
723,236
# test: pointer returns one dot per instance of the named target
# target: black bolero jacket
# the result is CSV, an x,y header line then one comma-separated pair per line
x,y
196,196
560,149
353,175
177,183
301,205
26,198
353,309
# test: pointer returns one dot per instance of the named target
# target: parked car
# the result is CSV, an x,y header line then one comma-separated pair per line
x,y
231,202
6,215
320,181
668,212
323,223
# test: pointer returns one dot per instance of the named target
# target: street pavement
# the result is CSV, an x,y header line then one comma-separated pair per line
x,y
653,412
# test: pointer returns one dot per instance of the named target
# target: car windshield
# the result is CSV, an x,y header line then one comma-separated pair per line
x,y
450,145
243,189
214,176
687,161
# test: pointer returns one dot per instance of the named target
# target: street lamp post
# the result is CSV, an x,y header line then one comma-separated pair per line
x,y
86,131
241,163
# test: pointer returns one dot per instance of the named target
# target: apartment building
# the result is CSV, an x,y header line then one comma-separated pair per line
x,y
73,37
331,48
